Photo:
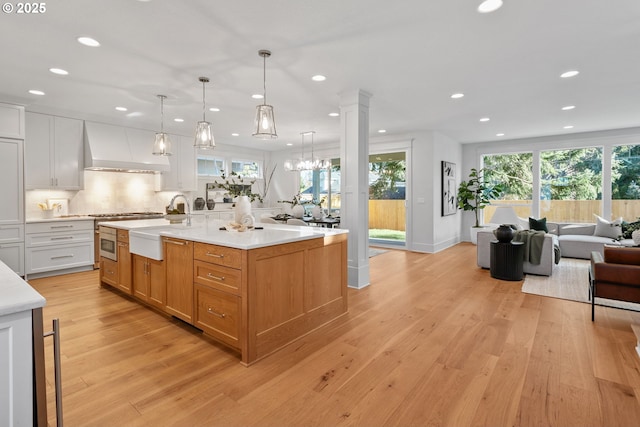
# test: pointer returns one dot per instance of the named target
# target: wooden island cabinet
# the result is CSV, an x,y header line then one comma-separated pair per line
x,y
254,300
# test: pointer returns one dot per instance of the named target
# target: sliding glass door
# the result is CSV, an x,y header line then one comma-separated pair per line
x,y
387,193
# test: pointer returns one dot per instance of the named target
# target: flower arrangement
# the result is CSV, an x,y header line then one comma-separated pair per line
x,y
293,202
45,206
234,185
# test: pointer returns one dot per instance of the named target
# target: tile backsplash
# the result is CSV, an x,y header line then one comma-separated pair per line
x,y
106,192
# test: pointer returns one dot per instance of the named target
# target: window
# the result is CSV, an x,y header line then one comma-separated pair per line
x,y
322,185
571,184
210,166
246,168
515,173
625,182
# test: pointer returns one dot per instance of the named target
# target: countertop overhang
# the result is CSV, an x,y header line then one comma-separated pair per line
x,y
16,295
211,232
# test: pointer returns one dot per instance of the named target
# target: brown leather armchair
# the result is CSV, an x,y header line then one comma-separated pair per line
x,y
615,276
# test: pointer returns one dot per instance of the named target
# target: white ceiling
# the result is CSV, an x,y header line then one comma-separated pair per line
x,y
411,55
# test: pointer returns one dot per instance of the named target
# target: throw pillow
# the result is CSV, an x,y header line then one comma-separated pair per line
x,y
611,229
538,224
628,228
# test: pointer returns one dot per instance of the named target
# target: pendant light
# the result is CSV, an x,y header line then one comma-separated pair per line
x,y
316,163
204,137
162,144
299,164
265,124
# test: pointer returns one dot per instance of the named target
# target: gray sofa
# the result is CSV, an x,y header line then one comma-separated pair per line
x,y
574,240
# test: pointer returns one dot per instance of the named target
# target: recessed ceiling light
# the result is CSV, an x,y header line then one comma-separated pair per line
x,y
178,120
568,74
382,131
499,134
257,96
318,78
88,41
121,108
485,119
489,6
289,144
59,71
214,109
235,134
568,127
457,95
568,107
334,114
36,92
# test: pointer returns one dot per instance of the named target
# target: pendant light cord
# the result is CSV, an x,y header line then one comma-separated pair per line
x,y
161,114
264,78
203,103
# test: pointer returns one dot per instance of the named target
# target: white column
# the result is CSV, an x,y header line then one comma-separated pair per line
x,y
354,184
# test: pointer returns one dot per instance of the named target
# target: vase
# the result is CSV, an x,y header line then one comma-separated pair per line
x,y
243,208
211,204
504,233
316,212
198,204
297,211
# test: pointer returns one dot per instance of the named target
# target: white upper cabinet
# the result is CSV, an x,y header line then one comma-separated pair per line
x,y
54,153
12,206
183,175
11,121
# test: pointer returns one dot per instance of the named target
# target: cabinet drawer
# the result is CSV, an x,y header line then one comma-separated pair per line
x,y
109,271
217,276
123,235
49,258
218,314
44,227
220,255
11,233
59,239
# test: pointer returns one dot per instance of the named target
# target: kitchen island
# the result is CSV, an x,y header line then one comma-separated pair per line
x,y
255,291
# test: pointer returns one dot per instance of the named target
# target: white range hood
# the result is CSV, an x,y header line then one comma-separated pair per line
x,y
109,147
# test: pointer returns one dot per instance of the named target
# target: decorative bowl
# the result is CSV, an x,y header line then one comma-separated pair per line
x,y
175,218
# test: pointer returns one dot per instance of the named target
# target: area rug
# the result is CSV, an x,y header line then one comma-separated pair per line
x,y
375,251
570,281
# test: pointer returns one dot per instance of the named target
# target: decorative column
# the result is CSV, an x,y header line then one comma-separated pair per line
x,y
354,183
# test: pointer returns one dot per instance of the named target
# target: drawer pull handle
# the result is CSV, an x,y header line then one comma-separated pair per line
x,y
61,226
211,276
122,245
215,313
62,256
215,255
173,242
62,238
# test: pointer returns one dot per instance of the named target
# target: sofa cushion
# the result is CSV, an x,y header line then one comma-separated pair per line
x,y
611,229
581,246
538,224
628,228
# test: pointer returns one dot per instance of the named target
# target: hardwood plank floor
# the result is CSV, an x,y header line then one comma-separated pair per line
x,y
433,341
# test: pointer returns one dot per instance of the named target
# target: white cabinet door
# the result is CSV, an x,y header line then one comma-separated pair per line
x,y
12,204
16,377
183,175
53,152
68,153
11,121
12,254
37,147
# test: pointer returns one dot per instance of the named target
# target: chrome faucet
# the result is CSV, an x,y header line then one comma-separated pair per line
x,y
188,207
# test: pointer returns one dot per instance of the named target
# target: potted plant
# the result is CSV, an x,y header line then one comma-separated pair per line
x,y
475,194
234,185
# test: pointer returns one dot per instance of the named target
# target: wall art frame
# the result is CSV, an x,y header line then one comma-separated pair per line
x,y
449,189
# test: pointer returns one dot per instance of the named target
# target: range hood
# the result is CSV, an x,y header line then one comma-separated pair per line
x,y
116,148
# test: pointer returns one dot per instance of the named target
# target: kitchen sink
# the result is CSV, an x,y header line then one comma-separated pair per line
x,y
147,241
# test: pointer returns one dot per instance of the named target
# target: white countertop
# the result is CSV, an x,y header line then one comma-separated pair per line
x,y
209,232
16,295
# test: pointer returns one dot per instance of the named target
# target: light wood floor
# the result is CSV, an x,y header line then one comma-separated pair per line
x,y
433,341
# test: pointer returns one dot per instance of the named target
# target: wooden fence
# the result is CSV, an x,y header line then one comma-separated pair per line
x,y
387,214
570,210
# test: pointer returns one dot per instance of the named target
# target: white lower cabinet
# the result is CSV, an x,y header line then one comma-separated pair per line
x,y
16,377
58,245
12,254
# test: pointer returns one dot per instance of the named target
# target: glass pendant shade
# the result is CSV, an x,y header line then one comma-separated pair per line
x,y
204,135
162,144
265,124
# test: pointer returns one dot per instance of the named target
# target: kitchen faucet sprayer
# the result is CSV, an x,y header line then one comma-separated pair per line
x,y
171,207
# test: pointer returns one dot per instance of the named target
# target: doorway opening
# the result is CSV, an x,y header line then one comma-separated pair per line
x,y
387,199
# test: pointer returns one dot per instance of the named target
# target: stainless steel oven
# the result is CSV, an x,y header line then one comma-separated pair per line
x,y
108,243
